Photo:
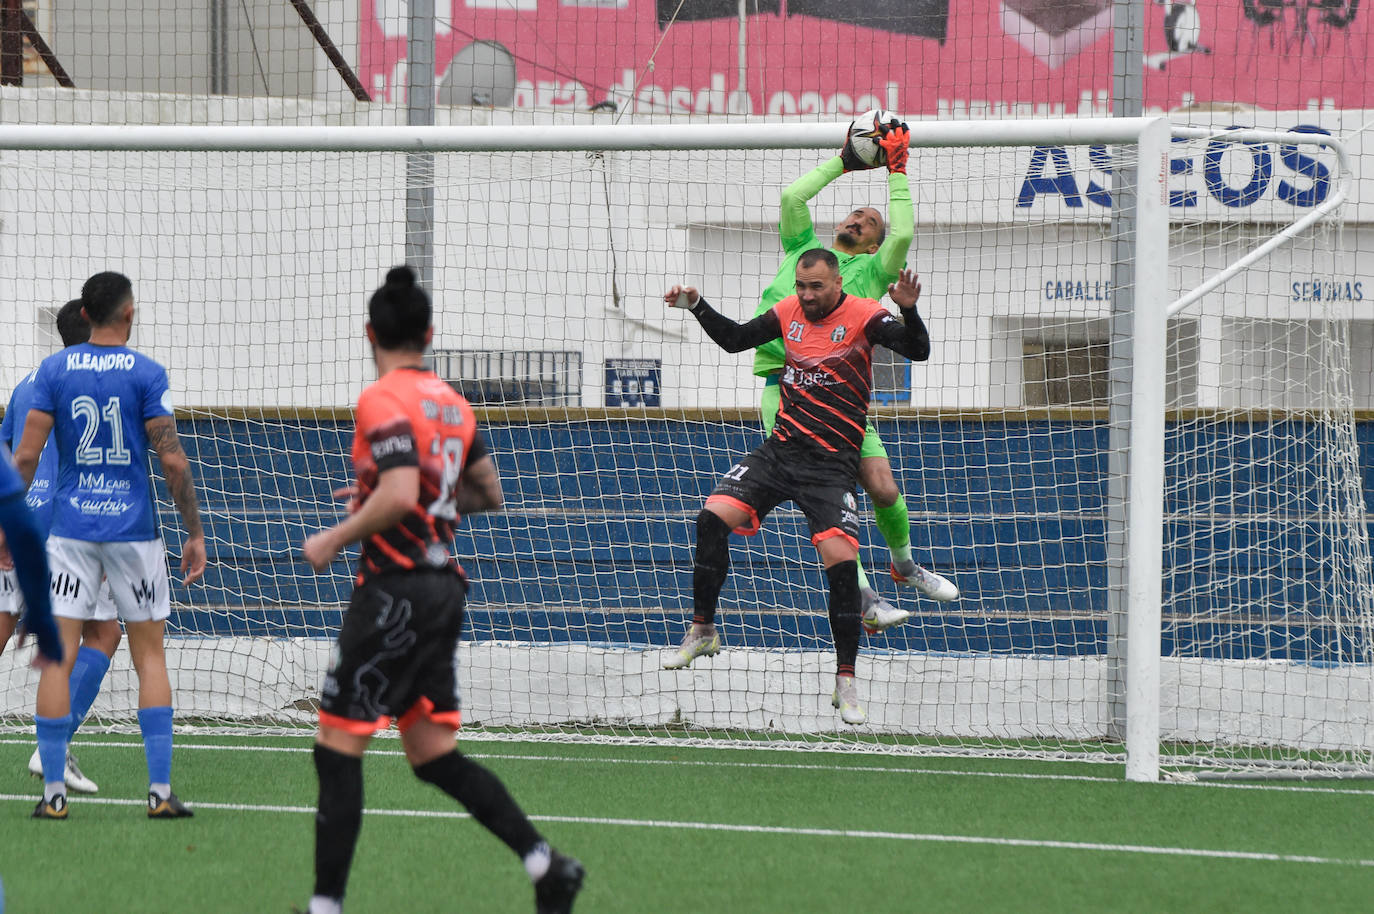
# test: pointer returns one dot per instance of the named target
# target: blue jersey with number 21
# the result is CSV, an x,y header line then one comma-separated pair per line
x,y
100,397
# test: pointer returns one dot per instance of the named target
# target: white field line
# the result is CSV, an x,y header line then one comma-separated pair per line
x,y
786,830
786,766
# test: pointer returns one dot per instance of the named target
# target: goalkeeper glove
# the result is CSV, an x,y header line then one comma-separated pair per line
x,y
896,143
851,159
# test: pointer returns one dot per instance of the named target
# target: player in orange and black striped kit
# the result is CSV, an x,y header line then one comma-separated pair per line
x,y
421,464
812,456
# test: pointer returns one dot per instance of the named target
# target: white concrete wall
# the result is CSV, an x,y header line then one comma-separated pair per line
x,y
252,272
984,700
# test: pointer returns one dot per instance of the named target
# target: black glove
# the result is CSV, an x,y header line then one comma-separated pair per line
x,y
850,158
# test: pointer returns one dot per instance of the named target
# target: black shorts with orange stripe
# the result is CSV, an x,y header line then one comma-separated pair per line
x,y
396,656
819,482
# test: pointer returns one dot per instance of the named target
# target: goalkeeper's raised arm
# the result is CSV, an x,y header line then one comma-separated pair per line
x,y
870,255
901,216
862,231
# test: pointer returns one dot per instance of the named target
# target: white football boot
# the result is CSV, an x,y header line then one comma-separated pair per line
x,y
846,699
694,645
908,574
880,615
72,775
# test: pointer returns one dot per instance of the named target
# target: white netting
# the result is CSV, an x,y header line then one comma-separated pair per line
x,y
611,420
1268,589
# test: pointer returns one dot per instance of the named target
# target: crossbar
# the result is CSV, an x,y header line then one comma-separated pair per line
x,y
563,137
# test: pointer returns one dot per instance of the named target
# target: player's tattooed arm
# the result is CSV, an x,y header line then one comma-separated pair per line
x,y
176,467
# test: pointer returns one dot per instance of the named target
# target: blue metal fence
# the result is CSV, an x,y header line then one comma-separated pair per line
x,y
595,542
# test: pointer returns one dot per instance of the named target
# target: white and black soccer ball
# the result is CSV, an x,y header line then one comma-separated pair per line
x,y
864,135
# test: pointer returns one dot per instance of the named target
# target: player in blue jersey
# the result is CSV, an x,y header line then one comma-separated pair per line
x,y
99,637
24,540
106,405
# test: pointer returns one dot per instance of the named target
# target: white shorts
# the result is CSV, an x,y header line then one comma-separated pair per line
x,y
135,574
12,598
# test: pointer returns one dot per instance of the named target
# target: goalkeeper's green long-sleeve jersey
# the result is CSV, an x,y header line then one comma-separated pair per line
x,y
864,275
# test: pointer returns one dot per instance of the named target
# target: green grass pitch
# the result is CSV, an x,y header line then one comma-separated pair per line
x,y
690,830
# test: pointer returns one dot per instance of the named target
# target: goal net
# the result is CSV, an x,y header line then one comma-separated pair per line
x,y
1267,589
611,418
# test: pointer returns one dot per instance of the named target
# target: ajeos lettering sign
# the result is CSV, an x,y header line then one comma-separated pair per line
x,y
1225,174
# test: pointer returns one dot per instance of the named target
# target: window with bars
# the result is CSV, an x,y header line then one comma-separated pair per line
x,y
1069,365
512,377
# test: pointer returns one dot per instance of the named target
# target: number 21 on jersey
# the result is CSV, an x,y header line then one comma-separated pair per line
x,y
87,411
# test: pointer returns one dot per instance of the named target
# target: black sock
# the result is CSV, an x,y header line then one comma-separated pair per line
x,y
844,614
338,820
484,796
709,567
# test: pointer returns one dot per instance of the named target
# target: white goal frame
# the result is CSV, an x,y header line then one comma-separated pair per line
x,y
1148,242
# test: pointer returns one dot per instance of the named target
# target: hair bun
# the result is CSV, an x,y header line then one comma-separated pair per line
x,y
400,276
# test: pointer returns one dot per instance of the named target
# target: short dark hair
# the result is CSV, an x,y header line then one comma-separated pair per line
x,y
103,294
400,311
820,255
72,325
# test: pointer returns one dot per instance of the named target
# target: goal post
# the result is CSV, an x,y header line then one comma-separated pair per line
x,y
1142,357
1087,628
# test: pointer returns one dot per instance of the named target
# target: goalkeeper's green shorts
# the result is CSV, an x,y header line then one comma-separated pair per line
x,y
768,411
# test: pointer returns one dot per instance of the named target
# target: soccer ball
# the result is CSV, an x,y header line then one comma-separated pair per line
x,y
864,135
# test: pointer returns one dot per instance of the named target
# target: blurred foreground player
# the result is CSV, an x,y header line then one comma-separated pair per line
x,y
101,635
420,464
24,541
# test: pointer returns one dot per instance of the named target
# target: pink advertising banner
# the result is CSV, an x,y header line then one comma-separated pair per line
x,y
916,57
